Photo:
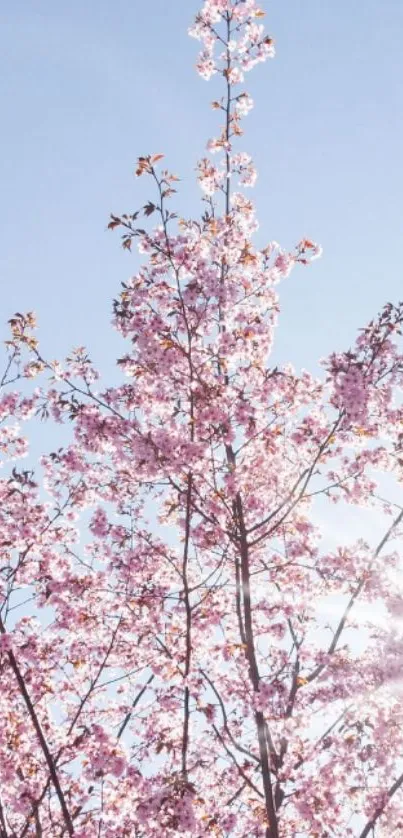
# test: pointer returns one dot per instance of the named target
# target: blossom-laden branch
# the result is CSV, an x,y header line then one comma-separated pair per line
x,y
166,665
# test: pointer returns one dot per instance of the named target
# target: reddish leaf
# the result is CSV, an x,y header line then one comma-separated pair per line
x,y
114,223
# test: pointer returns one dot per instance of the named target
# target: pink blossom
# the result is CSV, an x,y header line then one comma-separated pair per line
x,y
6,643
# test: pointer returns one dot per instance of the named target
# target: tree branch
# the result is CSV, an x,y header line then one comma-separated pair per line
x,y
42,741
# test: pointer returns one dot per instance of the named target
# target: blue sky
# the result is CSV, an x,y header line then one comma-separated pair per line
x,y
86,87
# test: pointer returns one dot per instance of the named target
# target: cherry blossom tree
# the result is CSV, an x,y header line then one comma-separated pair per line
x,y
170,664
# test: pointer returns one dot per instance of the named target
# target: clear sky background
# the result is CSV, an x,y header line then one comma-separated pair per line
x,y
86,87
